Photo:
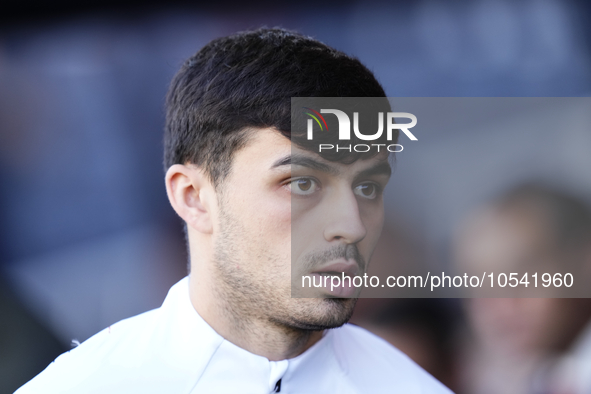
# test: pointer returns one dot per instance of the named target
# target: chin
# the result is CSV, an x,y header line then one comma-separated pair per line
x,y
328,313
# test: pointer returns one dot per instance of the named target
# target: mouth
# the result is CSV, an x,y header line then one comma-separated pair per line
x,y
346,267
345,271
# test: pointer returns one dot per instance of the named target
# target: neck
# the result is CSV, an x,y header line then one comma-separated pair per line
x,y
253,333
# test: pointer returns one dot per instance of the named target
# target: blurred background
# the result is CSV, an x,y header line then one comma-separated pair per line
x,y
87,236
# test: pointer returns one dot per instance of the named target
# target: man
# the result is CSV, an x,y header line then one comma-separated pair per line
x,y
241,187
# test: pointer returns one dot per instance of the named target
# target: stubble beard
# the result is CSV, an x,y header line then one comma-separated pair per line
x,y
246,296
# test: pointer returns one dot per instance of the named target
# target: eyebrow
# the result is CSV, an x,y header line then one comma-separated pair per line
x,y
307,162
382,168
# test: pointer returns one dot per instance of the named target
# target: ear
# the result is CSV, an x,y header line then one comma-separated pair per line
x,y
191,195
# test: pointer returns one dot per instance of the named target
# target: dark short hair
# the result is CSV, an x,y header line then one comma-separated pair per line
x,y
246,81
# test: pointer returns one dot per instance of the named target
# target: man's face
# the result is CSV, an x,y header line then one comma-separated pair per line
x,y
280,205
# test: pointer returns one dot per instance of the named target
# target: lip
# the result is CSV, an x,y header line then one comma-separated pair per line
x,y
348,267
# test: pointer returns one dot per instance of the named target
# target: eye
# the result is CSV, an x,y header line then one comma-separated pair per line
x,y
303,186
367,190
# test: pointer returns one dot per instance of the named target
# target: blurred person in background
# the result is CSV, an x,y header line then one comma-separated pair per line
x,y
528,345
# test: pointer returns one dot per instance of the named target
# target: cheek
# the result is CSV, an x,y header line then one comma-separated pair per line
x,y
307,227
267,218
273,217
373,220
261,206
273,225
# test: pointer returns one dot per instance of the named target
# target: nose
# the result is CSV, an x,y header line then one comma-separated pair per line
x,y
343,219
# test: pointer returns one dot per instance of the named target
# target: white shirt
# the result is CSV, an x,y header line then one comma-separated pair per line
x,y
173,350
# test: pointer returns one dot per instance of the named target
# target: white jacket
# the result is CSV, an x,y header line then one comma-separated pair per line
x,y
173,350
